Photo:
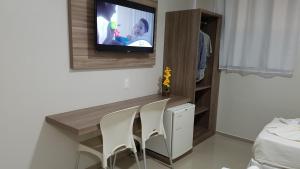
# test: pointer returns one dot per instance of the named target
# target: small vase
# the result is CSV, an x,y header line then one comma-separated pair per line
x,y
166,93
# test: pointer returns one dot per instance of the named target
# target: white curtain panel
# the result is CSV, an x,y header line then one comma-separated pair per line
x,y
261,36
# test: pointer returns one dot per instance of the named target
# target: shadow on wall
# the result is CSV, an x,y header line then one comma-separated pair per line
x,y
55,149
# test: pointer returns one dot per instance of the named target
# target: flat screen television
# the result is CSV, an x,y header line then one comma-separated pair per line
x,y
124,26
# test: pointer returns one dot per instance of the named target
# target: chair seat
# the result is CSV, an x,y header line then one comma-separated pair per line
x,y
116,130
152,125
137,135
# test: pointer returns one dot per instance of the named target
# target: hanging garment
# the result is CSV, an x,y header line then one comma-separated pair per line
x,y
205,50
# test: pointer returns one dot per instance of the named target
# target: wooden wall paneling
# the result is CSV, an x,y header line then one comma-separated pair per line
x,y
181,33
83,54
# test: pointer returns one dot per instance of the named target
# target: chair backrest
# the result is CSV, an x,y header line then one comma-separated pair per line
x,y
116,129
152,119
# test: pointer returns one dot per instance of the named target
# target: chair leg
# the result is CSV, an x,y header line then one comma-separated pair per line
x,y
114,163
141,151
144,153
77,161
137,160
110,162
168,151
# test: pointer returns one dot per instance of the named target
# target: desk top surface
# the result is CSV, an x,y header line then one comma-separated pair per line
x,y
87,120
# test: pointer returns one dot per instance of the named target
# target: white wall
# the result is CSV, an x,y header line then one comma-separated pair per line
x,y
36,81
211,5
248,103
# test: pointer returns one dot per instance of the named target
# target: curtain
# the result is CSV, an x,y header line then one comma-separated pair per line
x,y
261,36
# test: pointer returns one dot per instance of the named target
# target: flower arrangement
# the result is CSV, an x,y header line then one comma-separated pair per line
x,y
166,85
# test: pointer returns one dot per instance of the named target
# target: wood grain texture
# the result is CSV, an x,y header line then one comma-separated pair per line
x,y
83,54
85,121
181,54
215,75
181,48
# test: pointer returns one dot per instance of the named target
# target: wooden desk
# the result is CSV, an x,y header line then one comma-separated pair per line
x,y
85,121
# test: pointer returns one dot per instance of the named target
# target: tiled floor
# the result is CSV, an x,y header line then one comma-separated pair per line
x,y
214,153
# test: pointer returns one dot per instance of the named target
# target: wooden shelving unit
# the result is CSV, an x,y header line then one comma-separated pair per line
x,y
181,54
200,88
200,110
198,131
200,134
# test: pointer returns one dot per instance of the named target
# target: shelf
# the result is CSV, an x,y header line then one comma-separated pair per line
x,y
200,134
200,110
200,88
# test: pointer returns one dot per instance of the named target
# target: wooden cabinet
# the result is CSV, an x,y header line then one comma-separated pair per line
x,y
181,54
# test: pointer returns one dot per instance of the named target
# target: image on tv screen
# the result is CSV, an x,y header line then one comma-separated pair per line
x,y
123,26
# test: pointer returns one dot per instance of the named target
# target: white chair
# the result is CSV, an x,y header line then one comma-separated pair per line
x,y
116,129
152,125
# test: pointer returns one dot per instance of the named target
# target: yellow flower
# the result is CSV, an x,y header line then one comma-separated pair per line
x,y
167,84
167,75
167,70
166,81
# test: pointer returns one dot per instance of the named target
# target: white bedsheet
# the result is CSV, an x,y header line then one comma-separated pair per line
x,y
254,163
276,151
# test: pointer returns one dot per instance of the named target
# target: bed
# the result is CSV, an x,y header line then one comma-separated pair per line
x,y
274,152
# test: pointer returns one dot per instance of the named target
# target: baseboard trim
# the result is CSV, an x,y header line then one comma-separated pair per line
x,y
235,137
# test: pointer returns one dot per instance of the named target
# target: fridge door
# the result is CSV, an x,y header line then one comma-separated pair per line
x,y
178,123
183,124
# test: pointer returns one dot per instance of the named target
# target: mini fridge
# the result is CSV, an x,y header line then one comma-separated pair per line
x,y
179,125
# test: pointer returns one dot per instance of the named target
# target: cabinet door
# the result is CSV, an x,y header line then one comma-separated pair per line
x,y
183,125
181,49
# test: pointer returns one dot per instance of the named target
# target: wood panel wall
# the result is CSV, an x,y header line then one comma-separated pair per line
x,y
83,53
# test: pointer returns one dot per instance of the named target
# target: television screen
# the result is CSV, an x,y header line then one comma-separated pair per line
x,y
124,26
